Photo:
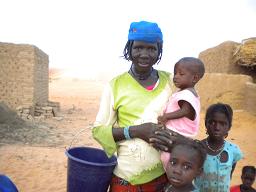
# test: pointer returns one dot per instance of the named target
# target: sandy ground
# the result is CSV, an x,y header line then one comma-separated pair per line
x,y
42,166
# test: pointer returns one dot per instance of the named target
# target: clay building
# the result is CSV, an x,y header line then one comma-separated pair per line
x,y
230,78
24,71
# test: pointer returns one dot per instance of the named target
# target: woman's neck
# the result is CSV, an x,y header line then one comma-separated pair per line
x,y
145,80
140,76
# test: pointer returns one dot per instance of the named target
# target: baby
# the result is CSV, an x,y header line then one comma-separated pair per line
x,y
182,112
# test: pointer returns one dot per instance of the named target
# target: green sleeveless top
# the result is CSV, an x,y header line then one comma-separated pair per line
x,y
125,103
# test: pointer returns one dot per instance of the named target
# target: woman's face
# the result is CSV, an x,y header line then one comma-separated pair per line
x,y
144,56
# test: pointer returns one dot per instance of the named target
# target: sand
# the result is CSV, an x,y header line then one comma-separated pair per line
x,y
41,164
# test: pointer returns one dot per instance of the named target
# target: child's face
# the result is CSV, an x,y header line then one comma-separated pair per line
x,y
144,55
218,126
248,179
183,76
183,167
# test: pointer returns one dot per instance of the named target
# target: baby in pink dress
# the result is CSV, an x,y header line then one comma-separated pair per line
x,y
182,112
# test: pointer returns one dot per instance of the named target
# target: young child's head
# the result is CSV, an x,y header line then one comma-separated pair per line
x,y
218,120
186,163
187,72
248,176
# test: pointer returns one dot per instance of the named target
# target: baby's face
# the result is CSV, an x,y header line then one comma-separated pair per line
x,y
183,167
183,77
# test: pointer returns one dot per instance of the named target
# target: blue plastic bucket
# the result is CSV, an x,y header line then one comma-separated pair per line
x,y
6,184
89,170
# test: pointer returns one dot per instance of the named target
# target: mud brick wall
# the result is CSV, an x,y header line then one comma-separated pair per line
x,y
23,75
41,77
226,88
220,59
250,102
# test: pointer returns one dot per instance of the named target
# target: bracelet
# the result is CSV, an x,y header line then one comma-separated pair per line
x,y
126,132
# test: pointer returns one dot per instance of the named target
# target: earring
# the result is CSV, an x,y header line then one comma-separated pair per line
x,y
206,132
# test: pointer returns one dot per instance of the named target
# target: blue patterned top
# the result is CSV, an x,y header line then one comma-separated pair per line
x,y
216,174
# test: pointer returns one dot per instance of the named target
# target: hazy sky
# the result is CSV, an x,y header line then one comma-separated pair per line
x,y
89,36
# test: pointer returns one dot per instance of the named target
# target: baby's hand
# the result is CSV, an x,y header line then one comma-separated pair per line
x,y
162,119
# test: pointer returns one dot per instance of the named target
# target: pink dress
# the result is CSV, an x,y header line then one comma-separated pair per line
x,y
183,126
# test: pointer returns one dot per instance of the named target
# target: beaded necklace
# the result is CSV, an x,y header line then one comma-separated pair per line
x,y
141,76
214,150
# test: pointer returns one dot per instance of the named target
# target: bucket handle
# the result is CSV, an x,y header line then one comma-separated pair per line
x,y
77,134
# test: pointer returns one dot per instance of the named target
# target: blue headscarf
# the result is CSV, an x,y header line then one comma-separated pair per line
x,y
145,31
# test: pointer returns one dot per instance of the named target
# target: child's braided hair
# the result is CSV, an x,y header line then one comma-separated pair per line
x,y
196,145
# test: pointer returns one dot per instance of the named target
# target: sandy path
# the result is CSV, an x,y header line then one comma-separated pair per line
x,y
42,168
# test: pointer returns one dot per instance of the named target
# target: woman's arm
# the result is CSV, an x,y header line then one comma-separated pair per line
x,y
104,132
105,119
143,131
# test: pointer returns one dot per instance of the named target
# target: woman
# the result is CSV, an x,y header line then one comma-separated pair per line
x,y
129,108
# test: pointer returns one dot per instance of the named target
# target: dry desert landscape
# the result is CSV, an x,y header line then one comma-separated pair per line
x,y
35,157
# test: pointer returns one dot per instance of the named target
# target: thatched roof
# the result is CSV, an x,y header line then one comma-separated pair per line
x,y
245,53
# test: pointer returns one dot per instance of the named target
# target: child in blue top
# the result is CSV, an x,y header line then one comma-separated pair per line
x,y
222,155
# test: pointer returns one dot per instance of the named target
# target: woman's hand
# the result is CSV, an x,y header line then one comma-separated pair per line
x,y
165,139
144,131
